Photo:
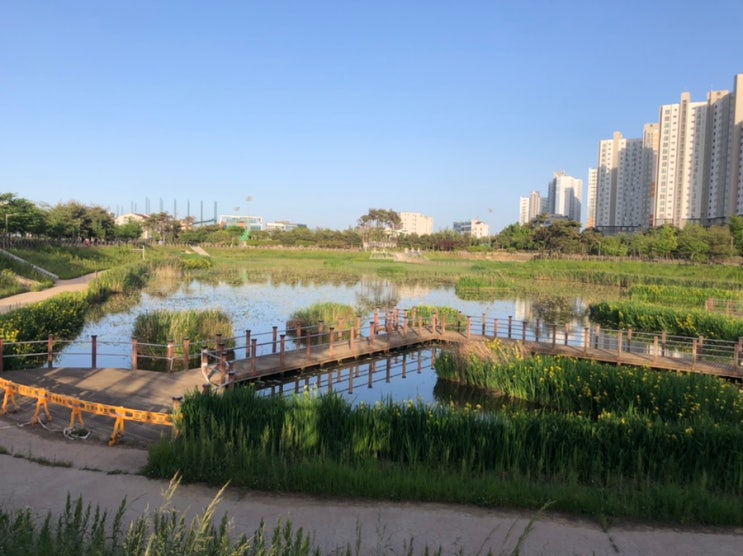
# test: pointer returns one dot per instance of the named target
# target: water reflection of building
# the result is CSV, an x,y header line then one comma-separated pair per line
x,y
408,291
376,292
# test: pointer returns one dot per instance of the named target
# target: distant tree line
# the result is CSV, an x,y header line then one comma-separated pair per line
x,y
73,221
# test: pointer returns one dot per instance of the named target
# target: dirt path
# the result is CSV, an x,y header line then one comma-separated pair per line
x,y
61,286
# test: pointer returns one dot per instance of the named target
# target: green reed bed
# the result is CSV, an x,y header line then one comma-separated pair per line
x,y
329,313
645,317
73,261
681,296
414,451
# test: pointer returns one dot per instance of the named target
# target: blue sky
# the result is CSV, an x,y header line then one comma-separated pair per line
x,y
318,111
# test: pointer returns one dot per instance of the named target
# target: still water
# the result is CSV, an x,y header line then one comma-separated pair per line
x,y
260,306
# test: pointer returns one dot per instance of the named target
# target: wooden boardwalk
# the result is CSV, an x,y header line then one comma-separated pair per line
x,y
277,365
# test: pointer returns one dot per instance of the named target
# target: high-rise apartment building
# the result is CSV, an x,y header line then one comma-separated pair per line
x,y
416,223
564,197
687,168
593,178
529,207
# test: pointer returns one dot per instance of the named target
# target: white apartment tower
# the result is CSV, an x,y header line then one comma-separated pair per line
x,y
593,178
686,168
529,207
678,195
624,178
565,195
723,196
416,223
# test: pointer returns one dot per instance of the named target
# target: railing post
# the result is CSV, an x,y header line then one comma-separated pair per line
x,y
93,351
420,326
523,330
663,338
536,331
282,356
694,346
469,327
510,324
596,336
655,348
330,343
170,354
134,354
308,344
372,333
567,332
554,335
495,329
247,344
629,340
736,353
50,351
274,338
620,340
405,324
254,356
586,338
204,360
459,321
186,354
483,324
223,367
435,323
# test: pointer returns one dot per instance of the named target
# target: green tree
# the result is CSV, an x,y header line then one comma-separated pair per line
x,y
20,216
693,243
561,236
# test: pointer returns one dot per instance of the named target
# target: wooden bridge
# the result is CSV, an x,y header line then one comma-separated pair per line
x,y
316,349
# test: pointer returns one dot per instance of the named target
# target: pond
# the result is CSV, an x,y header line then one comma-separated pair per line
x,y
260,306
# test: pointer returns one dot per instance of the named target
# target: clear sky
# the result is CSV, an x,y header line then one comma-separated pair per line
x,y
321,110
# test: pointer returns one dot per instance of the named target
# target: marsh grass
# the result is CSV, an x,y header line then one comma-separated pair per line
x,y
652,318
155,329
609,464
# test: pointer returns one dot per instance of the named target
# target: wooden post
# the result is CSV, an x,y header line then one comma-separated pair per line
x,y
247,344
93,350
554,336
254,351
596,336
459,321
274,337
420,326
620,341
50,351
282,354
536,331
523,330
223,367
655,348
495,329
372,332
330,343
483,325
405,324
204,360
469,327
694,345
134,354
435,324
663,338
372,365
736,354
350,380
510,323
629,340
351,337
186,354
567,332
586,338
388,370
404,366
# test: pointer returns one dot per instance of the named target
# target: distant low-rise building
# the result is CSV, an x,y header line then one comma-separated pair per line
x,y
475,228
415,223
252,223
283,226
